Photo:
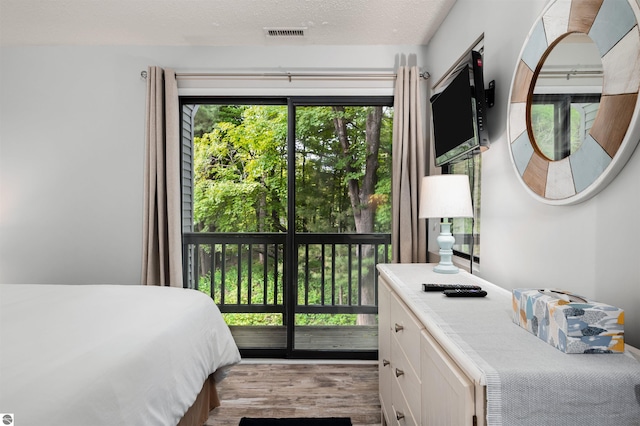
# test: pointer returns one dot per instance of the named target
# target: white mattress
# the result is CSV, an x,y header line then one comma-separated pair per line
x,y
107,354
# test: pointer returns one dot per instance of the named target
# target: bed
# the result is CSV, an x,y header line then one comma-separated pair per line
x,y
110,354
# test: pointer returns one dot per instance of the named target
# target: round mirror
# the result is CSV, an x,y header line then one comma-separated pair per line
x,y
566,96
558,161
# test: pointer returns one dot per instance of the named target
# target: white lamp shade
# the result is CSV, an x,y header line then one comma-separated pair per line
x,y
445,196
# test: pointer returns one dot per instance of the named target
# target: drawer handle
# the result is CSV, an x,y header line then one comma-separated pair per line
x,y
399,415
399,372
399,327
385,362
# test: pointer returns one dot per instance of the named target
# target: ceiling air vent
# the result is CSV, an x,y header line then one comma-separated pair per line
x,y
285,32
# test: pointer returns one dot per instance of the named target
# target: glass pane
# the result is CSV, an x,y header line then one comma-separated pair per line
x,y
552,137
543,124
240,186
343,185
343,168
462,227
240,168
342,221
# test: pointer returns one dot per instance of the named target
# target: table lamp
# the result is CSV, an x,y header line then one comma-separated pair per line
x,y
445,196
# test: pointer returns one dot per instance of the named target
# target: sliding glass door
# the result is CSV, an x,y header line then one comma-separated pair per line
x,y
286,211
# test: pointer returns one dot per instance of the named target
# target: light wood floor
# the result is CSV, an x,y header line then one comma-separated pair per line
x,y
299,389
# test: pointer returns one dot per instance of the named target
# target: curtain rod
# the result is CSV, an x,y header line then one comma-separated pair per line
x,y
288,75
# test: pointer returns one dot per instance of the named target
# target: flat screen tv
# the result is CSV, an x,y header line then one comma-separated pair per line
x,y
459,125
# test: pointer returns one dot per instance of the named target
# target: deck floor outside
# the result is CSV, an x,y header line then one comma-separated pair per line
x,y
334,338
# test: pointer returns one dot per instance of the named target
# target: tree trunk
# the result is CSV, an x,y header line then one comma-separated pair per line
x,y
353,186
262,208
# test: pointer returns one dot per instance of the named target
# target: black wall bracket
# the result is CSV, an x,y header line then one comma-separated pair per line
x,y
490,94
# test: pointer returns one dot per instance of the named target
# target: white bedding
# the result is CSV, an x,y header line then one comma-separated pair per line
x,y
107,354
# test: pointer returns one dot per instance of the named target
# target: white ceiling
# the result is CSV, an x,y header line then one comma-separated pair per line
x,y
218,22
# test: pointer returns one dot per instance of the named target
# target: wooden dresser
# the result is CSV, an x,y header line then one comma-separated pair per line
x,y
415,368
430,376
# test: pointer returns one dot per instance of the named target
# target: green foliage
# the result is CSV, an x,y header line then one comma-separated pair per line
x,y
205,119
253,319
545,132
240,168
335,290
543,125
382,196
326,319
325,167
228,279
274,293
577,136
240,185
208,115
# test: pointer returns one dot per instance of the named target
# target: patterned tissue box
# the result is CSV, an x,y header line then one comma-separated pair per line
x,y
569,322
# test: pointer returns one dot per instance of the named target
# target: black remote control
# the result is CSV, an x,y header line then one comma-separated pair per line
x,y
442,287
465,293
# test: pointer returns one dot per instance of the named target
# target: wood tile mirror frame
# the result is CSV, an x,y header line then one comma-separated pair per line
x,y
613,26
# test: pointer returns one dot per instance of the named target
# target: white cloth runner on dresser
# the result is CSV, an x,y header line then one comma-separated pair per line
x,y
529,382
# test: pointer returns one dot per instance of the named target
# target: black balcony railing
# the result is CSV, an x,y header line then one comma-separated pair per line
x,y
246,272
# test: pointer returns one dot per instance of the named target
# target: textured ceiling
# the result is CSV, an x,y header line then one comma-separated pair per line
x,y
218,22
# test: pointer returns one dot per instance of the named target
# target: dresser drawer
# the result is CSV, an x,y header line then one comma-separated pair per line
x,y
448,392
407,379
400,414
406,329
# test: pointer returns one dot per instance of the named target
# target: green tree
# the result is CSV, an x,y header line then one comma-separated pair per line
x,y
341,159
343,163
240,172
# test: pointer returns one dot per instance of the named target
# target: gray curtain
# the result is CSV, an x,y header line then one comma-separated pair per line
x,y
408,233
162,245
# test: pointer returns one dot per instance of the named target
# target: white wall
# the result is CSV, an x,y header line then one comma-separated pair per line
x,y
590,248
72,148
